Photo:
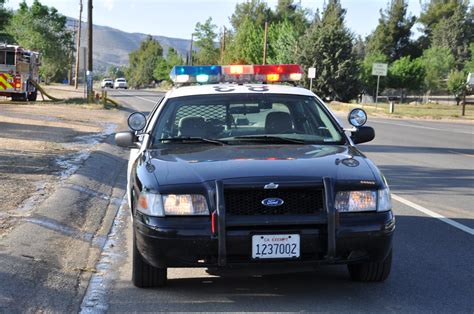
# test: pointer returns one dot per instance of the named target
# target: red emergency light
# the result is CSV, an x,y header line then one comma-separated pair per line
x,y
278,73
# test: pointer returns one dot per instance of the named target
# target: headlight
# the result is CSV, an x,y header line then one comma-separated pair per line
x,y
153,204
185,204
360,201
356,201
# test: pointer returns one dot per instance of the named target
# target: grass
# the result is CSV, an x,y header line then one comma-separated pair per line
x,y
422,111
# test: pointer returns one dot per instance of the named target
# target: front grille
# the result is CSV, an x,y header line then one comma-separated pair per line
x,y
297,201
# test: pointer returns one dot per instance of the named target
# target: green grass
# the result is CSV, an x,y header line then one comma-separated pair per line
x,y
426,111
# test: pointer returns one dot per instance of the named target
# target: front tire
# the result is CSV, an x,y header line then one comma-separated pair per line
x,y
371,271
143,274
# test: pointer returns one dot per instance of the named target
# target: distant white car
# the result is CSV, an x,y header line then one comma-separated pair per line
x,y
107,82
120,83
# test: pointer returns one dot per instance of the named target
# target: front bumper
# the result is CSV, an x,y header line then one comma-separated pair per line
x,y
189,242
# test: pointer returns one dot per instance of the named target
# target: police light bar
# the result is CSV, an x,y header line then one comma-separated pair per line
x,y
236,73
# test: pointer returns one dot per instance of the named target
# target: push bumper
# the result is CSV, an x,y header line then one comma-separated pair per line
x,y
189,242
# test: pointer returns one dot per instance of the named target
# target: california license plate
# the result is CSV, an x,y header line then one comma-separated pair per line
x,y
275,246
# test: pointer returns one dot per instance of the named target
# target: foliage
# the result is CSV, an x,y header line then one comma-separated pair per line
x,y
449,24
328,47
5,16
43,29
457,84
406,74
143,62
367,80
206,35
246,46
114,72
469,66
437,63
164,66
255,11
293,14
392,35
283,43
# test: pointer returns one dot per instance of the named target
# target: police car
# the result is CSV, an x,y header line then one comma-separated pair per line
x,y
238,166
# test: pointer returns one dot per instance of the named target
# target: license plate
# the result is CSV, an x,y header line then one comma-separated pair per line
x,y
275,246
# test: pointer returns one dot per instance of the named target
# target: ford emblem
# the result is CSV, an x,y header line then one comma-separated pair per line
x,y
273,202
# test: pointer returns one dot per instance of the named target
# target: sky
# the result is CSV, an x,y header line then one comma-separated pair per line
x,y
177,18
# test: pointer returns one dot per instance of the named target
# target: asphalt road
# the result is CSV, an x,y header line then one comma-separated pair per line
x,y
430,168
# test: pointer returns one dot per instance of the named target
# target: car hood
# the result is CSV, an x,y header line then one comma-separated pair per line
x,y
188,163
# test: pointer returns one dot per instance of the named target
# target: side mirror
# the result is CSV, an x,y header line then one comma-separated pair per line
x,y
136,121
126,139
363,134
357,117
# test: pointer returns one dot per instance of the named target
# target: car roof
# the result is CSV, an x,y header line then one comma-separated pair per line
x,y
219,89
107,79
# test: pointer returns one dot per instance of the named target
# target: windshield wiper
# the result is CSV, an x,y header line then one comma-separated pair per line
x,y
193,140
270,138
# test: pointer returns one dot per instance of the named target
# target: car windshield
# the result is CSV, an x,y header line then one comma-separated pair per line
x,y
245,118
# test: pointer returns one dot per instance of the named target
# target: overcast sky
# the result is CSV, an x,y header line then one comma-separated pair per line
x,y
177,18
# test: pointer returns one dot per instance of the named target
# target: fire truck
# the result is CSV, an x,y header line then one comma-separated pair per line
x,y
19,71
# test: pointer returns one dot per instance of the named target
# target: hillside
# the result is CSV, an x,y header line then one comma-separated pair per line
x,y
112,46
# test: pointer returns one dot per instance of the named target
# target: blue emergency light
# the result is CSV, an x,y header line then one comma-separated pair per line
x,y
196,74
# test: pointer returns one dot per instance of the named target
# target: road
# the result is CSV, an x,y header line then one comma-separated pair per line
x,y
430,168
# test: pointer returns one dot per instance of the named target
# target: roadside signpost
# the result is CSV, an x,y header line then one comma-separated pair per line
x,y
311,76
379,69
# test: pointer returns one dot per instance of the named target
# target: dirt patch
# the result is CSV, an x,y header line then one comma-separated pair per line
x,y
41,144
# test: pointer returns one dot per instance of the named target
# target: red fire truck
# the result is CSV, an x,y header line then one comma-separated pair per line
x,y
19,69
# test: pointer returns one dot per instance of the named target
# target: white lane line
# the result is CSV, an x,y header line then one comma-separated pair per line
x,y
433,214
145,99
462,154
422,127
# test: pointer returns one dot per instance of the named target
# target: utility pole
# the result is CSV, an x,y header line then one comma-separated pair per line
x,y
265,44
223,46
89,52
78,46
191,51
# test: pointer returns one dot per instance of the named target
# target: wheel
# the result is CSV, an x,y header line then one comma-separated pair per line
x,y
33,96
371,271
143,274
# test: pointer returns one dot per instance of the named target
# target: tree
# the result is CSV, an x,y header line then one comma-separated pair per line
x,y
43,29
392,35
287,10
327,46
437,62
367,80
164,66
246,46
457,84
5,16
116,71
283,43
469,66
406,74
448,24
206,35
143,62
256,11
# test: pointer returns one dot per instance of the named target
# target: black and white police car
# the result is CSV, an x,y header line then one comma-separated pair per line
x,y
241,173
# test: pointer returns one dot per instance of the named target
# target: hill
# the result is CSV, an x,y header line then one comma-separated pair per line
x,y
112,46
